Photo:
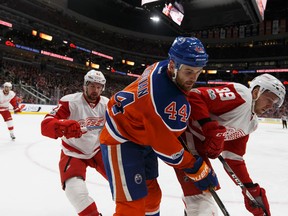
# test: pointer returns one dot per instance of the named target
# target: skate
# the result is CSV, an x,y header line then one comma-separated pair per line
x,y
12,136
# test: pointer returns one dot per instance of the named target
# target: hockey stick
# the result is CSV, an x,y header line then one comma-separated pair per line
x,y
211,189
219,202
90,128
242,186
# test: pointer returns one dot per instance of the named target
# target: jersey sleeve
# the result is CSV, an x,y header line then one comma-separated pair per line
x,y
48,124
13,102
199,105
168,148
216,100
233,153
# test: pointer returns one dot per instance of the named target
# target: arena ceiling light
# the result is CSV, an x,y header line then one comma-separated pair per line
x,y
155,18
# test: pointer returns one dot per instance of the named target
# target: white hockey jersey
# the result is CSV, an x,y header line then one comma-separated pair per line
x,y
76,107
230,105
5,100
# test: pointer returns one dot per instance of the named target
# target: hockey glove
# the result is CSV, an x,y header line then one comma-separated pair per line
x,y
202,175
68,128
18,109
214,138
260,195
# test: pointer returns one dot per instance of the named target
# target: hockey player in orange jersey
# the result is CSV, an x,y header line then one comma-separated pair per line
x,y
236,107
144,121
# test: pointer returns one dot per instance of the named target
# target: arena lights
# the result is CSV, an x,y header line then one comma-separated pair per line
x,y
27,48
71,45
102,55
4,23
95,66
216,82
155,18
45,36
201,82
133,75
131,63
34,32
212,71
54,55
272,70
11,44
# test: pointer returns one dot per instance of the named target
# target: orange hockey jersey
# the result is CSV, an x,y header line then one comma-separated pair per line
x,y
151,111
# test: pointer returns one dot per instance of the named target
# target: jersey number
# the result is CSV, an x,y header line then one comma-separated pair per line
x,y
172,111
225,94
122,99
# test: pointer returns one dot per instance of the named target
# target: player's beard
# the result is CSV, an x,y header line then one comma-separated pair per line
x,y
186,86
92,97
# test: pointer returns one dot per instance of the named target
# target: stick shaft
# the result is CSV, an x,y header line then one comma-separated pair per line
x,y
239,183
219,202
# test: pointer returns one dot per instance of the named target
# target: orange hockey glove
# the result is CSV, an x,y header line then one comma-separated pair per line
x,y
68,128
202,175
214,138
260,195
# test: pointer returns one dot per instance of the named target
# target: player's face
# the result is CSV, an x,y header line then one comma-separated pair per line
x,y
93,91
265,102
6,90
187,76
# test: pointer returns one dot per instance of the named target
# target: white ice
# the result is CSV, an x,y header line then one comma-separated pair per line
x,y
30,185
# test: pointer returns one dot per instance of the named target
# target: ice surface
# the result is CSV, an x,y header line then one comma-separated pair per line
x,y
30,184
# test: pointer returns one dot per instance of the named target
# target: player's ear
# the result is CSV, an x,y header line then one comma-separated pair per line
x,y
255,92
171,66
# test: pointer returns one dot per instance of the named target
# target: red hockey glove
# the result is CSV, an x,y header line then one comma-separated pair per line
x,y
68,128
17,110
202,175
260,195
214,138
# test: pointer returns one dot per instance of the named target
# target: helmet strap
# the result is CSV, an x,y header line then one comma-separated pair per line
x,y
175,71
174,75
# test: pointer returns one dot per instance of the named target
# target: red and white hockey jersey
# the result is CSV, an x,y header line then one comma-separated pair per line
x,y
76,107
231,106
5,100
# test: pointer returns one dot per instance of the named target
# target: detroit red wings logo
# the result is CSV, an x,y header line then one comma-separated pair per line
x,y
232,134
92,121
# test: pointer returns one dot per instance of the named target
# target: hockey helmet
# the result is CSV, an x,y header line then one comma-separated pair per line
x,y
270,83
94,76
7,84
189,51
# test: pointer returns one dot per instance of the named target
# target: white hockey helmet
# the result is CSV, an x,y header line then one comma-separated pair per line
x,y
8,84
270,83
94,76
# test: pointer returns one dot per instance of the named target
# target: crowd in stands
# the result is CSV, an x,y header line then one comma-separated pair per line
x,y
55,84
125,43
51,83
72,24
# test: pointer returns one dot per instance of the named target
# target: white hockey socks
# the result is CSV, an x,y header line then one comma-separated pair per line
x,y
200,205
77,193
